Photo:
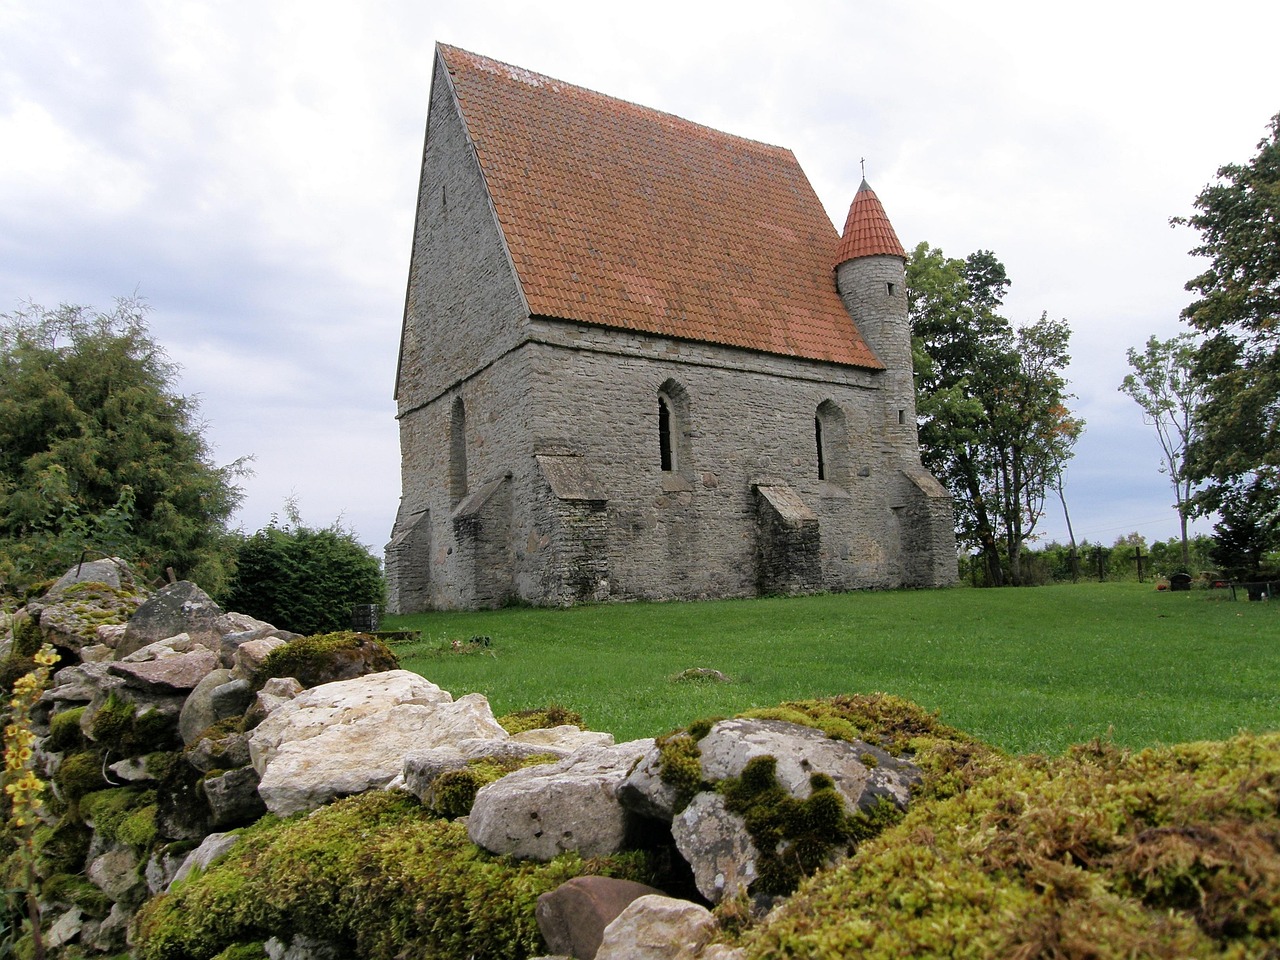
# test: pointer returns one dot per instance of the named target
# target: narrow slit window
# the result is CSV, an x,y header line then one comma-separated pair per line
x,y
902,417
889,287
817,434
664,436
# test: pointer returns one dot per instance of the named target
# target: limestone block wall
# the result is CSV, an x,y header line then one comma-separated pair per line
x,y
463,306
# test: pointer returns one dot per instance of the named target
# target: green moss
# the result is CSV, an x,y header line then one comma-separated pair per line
x,y
78,774
1169,852
452,794
64,731
121,728
544,718
75,890
325,657
63,847
27,637
793,837
110,810
680,766
243,951
377,874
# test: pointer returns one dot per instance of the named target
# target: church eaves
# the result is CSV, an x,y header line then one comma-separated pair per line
x,y
627,217
867,230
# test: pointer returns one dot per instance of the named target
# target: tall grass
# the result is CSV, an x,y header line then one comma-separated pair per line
x,y
1026,670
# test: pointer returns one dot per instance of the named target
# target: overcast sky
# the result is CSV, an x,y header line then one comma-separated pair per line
x,y
250,168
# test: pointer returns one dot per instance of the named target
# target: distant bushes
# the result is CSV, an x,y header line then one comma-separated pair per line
x,y
304,579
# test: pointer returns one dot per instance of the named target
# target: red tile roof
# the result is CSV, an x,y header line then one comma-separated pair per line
x,y
867,230
627,217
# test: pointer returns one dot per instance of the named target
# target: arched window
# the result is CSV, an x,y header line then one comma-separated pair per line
x,y
673,428
458,451
822,455
666,451
831,440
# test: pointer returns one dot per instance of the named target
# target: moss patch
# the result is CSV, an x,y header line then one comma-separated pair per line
x,y
377,874
1171,852
552,715
78,774
453,793
327,657
64,731
122,729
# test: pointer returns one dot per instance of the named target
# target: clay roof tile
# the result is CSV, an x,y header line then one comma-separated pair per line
x,y
867,230
623,216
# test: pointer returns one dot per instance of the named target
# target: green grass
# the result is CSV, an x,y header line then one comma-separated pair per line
x,y
1026,670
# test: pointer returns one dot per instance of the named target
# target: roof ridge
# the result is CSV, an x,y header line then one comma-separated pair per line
x,y
520,73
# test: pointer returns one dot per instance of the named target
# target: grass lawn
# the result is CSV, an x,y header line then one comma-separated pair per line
x,y
1026,670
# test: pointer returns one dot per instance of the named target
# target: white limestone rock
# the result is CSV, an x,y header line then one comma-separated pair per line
x,y
539,812
658,928
342,702
351,736
716,845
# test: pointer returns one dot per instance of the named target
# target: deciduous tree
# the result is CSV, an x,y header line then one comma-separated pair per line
x,y
1237,445
994,424
1163,384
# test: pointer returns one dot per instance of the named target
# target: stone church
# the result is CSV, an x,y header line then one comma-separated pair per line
x,y
639,362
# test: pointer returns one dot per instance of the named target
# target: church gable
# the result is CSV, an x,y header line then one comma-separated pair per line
x,y
622,216
463,306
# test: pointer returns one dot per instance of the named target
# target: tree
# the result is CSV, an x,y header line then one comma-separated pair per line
x,y
99,453
994,425
1248,529
302,578
1237,444
1164,385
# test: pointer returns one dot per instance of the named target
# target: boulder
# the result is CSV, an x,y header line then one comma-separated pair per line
x,y
115,873
644,792
801,751
214,846
198,712
275,693
563,739
314,711
247,657
224,753
658,928
65,929
715,844
539,812
572,917
232,698
178,673
112,571
161,869
178,608
233,798
353,735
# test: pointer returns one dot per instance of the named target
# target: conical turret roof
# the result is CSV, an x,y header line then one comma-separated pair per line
x,y
867,230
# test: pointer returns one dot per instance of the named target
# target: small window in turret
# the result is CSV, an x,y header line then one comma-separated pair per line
x,y
889,287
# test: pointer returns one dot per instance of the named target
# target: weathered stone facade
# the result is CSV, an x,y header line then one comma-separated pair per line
x,y
552,460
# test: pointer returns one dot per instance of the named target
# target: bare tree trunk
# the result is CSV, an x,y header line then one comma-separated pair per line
x,y
1071,534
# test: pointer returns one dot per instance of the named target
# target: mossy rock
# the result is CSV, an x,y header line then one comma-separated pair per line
x,y
79,774
120,727
65,735
75,890
543,718
452,794
1169,852
324,658
122,815
378,874
63,847
255,950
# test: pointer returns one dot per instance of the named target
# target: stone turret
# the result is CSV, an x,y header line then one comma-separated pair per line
x,y
871,278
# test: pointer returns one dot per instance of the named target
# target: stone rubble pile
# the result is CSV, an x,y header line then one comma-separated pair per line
x,y
188,675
